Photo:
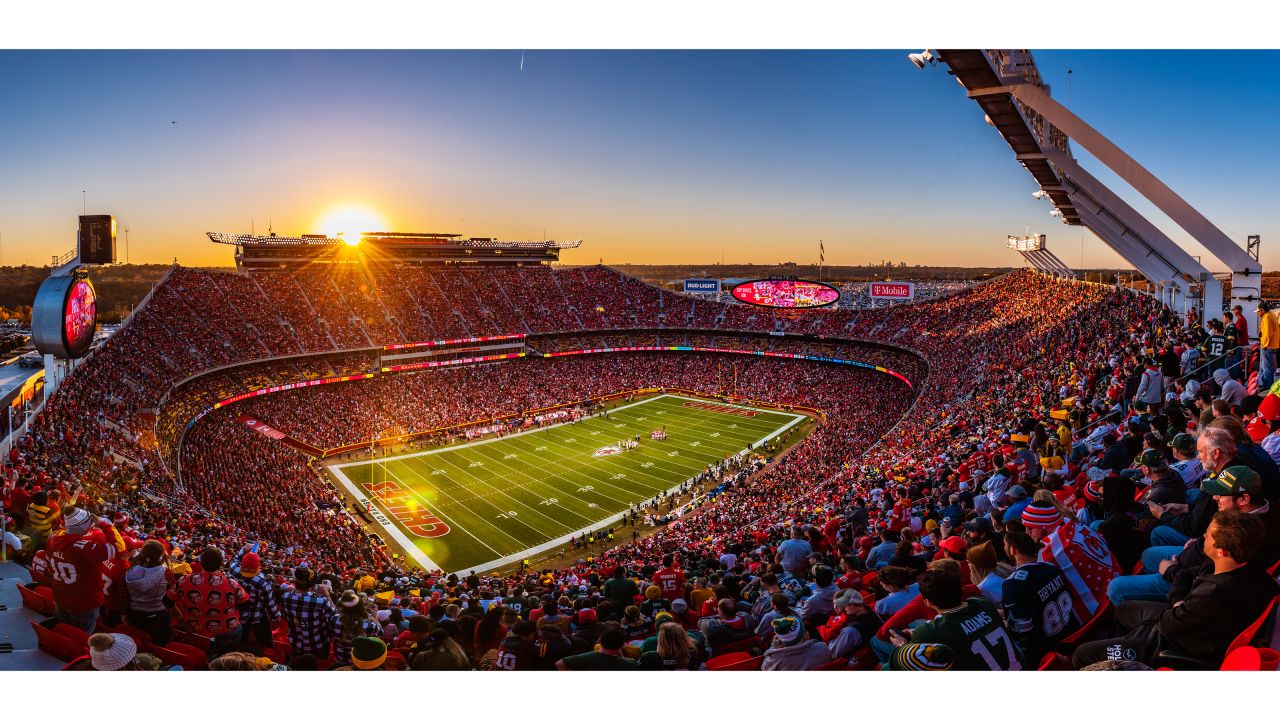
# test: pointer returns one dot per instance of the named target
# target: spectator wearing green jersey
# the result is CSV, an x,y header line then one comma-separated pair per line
x,y
972,629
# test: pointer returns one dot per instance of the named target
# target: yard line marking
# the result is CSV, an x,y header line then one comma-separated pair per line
x,y
500,491
409,469
549,484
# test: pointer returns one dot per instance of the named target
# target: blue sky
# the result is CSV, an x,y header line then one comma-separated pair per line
x,y
645,156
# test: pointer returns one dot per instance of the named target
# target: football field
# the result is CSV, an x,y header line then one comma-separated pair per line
x,y
484,504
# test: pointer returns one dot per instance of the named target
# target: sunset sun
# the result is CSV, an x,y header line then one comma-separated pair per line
x,y
349,221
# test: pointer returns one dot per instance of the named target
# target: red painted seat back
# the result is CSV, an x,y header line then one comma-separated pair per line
x,y
57,644
36,601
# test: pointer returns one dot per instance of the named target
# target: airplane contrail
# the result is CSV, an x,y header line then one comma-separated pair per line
x,y
521,61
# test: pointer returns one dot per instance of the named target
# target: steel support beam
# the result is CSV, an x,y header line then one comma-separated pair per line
x,y
1246,271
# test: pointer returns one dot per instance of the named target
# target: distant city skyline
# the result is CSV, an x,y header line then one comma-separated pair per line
x,y
647,157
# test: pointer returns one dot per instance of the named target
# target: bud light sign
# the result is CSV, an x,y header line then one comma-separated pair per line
x,y
893,291
702,285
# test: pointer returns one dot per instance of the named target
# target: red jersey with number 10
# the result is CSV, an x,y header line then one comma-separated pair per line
x,y
671,582
75,564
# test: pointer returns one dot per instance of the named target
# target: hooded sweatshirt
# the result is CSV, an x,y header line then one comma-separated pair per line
x,y
803,655
1232,391
147,588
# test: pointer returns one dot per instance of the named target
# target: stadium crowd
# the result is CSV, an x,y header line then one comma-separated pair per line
x,y
1080,482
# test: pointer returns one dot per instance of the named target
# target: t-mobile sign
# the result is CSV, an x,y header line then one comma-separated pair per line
x,y
893,291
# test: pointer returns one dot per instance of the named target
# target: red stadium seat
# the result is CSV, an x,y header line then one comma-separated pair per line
x,y
141,637
837,664
188,657
201,642
58,644
736,661
745,645
72,633
1252,658
1177,660
37,598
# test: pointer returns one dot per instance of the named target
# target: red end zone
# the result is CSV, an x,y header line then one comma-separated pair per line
x,y
415,518
713,407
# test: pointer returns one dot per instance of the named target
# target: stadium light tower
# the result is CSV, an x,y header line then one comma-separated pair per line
x,y
1008,87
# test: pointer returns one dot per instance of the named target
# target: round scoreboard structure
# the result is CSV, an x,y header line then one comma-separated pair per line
x,y
64,316
786,293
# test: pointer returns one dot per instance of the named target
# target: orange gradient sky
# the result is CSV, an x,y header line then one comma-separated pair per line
x,y
647,157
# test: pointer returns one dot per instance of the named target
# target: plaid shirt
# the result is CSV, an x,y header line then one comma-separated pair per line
x,y
310,617
342,647
262,599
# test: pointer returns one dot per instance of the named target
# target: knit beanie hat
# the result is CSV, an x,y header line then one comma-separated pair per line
x,y
983,556
368,653
1041,515
1093,491
787,629
653,592
111,651
79,521
921,656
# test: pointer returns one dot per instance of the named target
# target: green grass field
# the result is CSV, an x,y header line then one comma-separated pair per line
x,y
491,502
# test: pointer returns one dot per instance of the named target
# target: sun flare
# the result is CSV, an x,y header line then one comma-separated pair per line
x,y
349,221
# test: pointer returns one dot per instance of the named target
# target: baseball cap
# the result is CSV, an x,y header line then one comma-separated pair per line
x,y
250,564
1152,459
1183,443
954,544
1235,480
979,525
1017,492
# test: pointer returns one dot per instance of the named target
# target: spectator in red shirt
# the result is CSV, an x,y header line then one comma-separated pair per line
x,y
75,558
207,600
670,580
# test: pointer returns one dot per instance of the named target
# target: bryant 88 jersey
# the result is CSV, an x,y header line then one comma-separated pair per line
x,y
1038,607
